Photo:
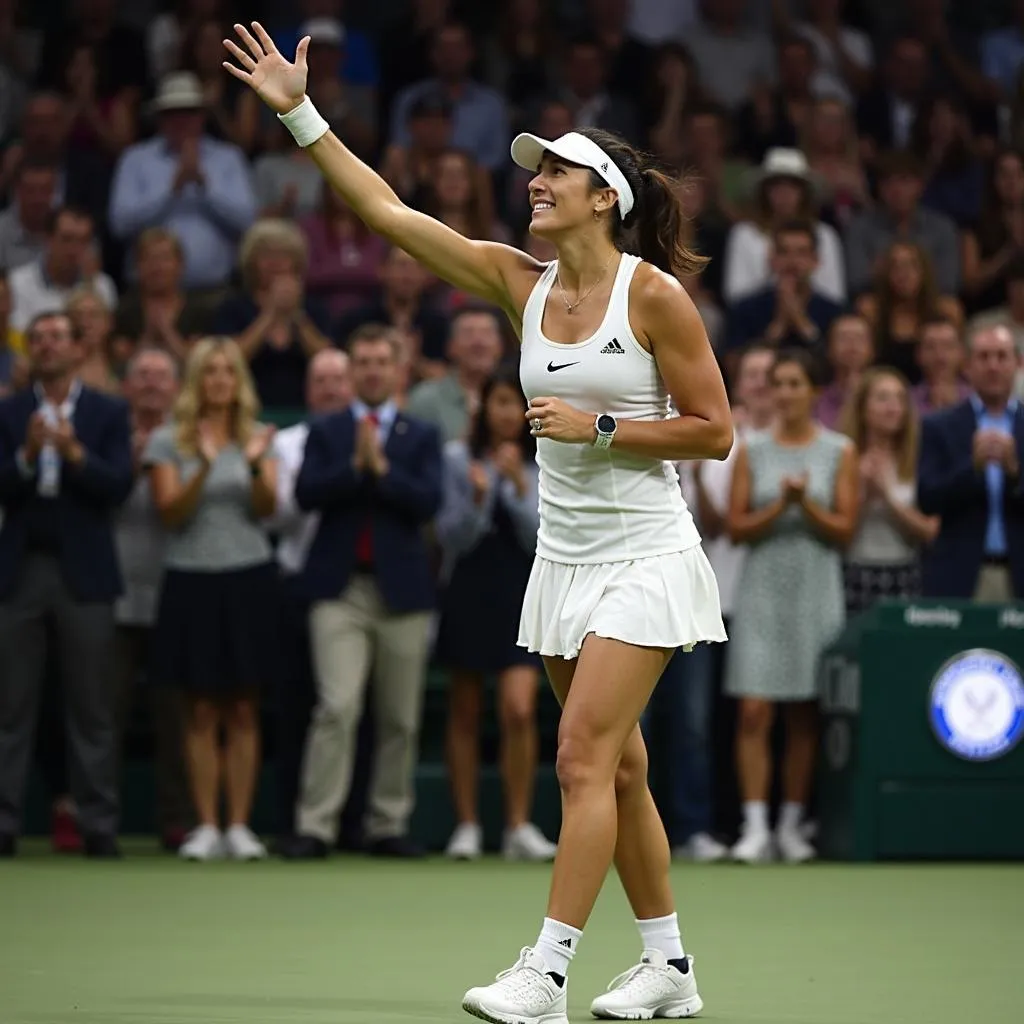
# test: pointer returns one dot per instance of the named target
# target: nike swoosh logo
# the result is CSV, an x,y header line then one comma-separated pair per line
x,y
559,366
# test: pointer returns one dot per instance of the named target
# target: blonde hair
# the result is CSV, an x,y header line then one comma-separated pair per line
x,y
189,406
854,425
85,291
272,232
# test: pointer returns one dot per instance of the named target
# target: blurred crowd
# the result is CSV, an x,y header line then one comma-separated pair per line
x,y
251,454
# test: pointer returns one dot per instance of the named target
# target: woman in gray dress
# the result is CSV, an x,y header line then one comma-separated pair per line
x,y
794,502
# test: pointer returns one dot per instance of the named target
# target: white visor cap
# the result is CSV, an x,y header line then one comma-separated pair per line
x,y
528,150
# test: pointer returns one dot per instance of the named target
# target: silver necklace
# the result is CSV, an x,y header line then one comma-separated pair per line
x,y
571,307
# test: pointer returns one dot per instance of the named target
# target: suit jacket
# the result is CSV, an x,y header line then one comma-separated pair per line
x,y
89,494
949,486
399,505
749,318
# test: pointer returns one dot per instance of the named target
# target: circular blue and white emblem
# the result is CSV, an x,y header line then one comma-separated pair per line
x,y
976,705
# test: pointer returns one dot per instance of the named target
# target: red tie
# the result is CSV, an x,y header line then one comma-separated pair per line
x,y
364,542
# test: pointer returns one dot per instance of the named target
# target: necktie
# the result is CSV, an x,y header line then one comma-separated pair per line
x,y
364,542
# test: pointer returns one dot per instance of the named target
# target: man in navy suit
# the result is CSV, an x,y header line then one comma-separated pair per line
x,y
374,476
969,474
65,466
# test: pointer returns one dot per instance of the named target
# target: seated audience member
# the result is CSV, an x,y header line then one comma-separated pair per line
x,y
458,197
13,364
92,321
784,191
788,312
940,355
900,217
158,312
487,527
24,225
187,182
374,475
882,559
904,297
474,351
830,143
277,326
345,257
286,180
400,304
65,466
410,170
70,259
213,483
151,386
794,503
969,475
851,350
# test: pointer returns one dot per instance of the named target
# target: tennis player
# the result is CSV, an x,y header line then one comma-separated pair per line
x,y
620,580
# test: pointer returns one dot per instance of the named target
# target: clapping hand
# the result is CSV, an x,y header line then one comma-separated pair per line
x,y
479,481
996,447
508,458
259,444
63,438
369,452
35,437
873,475
794,488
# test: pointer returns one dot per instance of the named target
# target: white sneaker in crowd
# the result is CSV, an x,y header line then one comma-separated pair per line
x,y
527,842
241,844
754,846
702,848
524,994
793,847
202,843
654,988
466,843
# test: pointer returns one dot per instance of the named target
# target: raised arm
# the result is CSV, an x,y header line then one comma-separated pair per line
x,y
496,273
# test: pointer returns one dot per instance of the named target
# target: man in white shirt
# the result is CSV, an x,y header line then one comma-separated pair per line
x,y
328,389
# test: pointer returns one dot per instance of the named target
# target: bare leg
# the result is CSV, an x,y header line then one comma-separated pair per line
x,y
242,758
517,710
801,746
202,751
465,699
753,757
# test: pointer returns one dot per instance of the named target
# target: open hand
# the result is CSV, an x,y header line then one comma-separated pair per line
x,y
35,437
508,458
478,481
280,84
259,444
558,421
63,438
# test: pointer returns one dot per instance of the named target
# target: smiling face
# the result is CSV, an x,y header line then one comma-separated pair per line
x,y
562,198
886,406
505,410
794,394
219,383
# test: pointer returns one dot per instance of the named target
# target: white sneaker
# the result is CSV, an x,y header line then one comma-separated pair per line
x,y
527,842
203,843
241,844
654,988
466,843
524,994
793,847
702,848
754,846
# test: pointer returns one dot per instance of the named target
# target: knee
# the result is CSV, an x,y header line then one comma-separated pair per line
x,y
464,705
631,775
242,715
579,764
203,717
518,713
755,718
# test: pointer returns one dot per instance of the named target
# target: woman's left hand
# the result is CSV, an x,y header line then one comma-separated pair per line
x,y
558,421
259,444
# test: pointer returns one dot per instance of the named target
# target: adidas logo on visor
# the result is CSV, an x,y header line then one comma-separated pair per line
x,y
613,348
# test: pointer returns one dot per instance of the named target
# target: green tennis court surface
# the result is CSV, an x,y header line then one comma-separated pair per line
x,y
350,941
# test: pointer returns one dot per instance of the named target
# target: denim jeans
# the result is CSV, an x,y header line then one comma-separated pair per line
x,y
682,706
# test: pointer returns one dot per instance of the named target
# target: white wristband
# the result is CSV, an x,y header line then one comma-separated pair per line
x,y
305,123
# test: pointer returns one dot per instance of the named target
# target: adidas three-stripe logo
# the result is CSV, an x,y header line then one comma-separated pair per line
x,y
613,348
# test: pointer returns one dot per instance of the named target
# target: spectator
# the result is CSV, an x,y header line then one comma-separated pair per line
x,y
150,385
407,57
186,181
940,356
1011,312
789,312
23,224
345,257
851,350
784,190
794,502
899,217
276,325
13,366
998,238
400,304
830,143
886,113
328,390
65,466
480,120
158,312
586,92
674,94
732,60
92,322
905,296
969,476
487,527
213,484
627,56
474,350
410,170
374,475
70,259
520,58
286,180
165,33
1002,54
845,57
882,559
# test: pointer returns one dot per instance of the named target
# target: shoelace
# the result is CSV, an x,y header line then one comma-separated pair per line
x,y
520,978
628,979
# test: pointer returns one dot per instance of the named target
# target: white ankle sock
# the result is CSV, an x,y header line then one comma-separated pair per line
x,y
557,945
662,934
755,815
790,817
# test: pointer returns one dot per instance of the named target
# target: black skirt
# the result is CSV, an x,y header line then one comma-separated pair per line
x,y
215,632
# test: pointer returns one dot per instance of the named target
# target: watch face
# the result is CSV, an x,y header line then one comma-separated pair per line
x,y
605,424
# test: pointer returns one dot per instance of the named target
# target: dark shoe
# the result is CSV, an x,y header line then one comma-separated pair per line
x,y
303,848
8,845
102,847
351,842
399,847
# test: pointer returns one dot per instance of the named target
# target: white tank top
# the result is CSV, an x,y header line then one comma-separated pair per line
x,y
602,506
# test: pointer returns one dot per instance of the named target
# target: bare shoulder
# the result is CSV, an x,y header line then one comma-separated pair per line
x,y
661,310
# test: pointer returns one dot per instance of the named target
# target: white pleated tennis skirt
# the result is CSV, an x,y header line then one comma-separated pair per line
x,y
667,601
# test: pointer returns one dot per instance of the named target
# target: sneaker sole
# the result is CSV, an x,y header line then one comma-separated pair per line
x,y
672,1011
509,1018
